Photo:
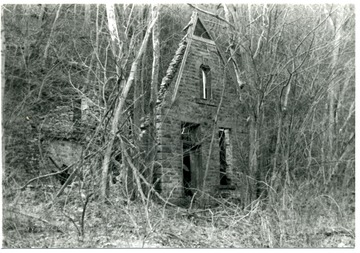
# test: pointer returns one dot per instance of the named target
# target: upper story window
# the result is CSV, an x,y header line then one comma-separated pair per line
x,y
205,82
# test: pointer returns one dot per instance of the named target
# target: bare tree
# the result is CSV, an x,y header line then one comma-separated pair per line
x,y
125,90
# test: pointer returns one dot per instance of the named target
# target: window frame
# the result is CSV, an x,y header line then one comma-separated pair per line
x,y
205,82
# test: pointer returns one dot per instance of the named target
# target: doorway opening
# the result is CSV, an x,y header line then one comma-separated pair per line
x,y
191,157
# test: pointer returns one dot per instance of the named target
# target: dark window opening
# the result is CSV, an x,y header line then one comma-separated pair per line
x,y
225,156
205,82
201,31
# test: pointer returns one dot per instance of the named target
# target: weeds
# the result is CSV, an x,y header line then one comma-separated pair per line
x,y
31,219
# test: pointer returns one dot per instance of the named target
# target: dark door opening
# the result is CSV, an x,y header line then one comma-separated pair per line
x,y
191,168
187,174
191,157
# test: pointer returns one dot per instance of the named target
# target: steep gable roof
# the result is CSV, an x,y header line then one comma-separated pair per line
x,y
201,31
194,30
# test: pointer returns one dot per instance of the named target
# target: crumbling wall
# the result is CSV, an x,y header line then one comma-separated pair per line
x,y
63,152
191,108
61,138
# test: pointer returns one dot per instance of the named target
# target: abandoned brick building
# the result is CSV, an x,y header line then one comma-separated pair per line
x,y
199,128
200,131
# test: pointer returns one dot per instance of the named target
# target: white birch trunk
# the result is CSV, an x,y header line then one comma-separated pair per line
x,y
153,92
333,92
121,99
46,50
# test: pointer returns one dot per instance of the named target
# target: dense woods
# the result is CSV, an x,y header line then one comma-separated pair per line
x,y
92,74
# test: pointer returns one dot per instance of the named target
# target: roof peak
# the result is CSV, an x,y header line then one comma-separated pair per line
x,y
196,27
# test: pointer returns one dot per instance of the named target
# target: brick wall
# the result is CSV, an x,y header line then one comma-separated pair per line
x,y
190,107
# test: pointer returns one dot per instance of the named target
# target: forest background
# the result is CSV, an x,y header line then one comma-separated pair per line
x,y
297,67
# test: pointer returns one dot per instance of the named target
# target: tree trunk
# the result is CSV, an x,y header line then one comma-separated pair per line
x,y
253,119
333,92
253,159
116,43
282,111
46,50
3,79
231,33
87,16
153,95
121,102
214,133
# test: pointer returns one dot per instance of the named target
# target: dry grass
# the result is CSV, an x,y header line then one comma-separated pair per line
x,y
32,220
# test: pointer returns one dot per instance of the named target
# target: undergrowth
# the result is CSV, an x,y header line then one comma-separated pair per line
x,y
33,219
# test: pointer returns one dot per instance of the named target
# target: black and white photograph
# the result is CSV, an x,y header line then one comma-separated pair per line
x,y
178,125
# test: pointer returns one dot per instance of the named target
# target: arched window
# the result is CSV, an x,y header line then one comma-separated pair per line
x,y
205,82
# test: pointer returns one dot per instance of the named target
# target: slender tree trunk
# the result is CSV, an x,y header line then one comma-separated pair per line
x,y
153,94
120,106
333,93
231,33
3,79
253,124
46,50
42,14
138,109
87,16
116,43
310,148
253,158
89,80
156,60
213,137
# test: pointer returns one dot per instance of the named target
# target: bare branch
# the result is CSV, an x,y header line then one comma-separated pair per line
x,y
128,159
119,109
51,32
83,213
44,176
34,217
211,14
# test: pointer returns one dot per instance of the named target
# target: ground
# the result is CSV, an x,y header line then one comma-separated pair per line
x,y
32,218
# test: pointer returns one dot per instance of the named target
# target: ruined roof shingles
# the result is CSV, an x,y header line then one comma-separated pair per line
x,y
171,71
